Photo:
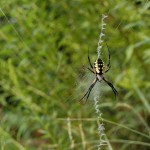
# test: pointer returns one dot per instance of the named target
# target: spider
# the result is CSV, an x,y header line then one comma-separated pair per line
x,y
99,69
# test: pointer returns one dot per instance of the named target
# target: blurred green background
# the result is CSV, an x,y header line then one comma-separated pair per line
x,y
43,55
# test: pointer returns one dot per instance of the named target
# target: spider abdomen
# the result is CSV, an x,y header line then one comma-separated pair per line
x,y
99,66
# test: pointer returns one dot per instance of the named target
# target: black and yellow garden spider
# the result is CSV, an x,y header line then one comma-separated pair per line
x,y
99,70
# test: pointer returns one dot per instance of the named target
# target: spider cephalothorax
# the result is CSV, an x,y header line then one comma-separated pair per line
x,y
99,69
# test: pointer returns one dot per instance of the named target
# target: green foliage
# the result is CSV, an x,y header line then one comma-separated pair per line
x,y
43,50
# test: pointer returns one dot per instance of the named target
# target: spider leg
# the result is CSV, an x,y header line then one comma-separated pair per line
x,y
91,70
112,87
108,65
108,69
89,59
88,91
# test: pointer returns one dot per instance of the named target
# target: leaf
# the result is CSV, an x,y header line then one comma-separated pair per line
x,y
129,53
12,74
